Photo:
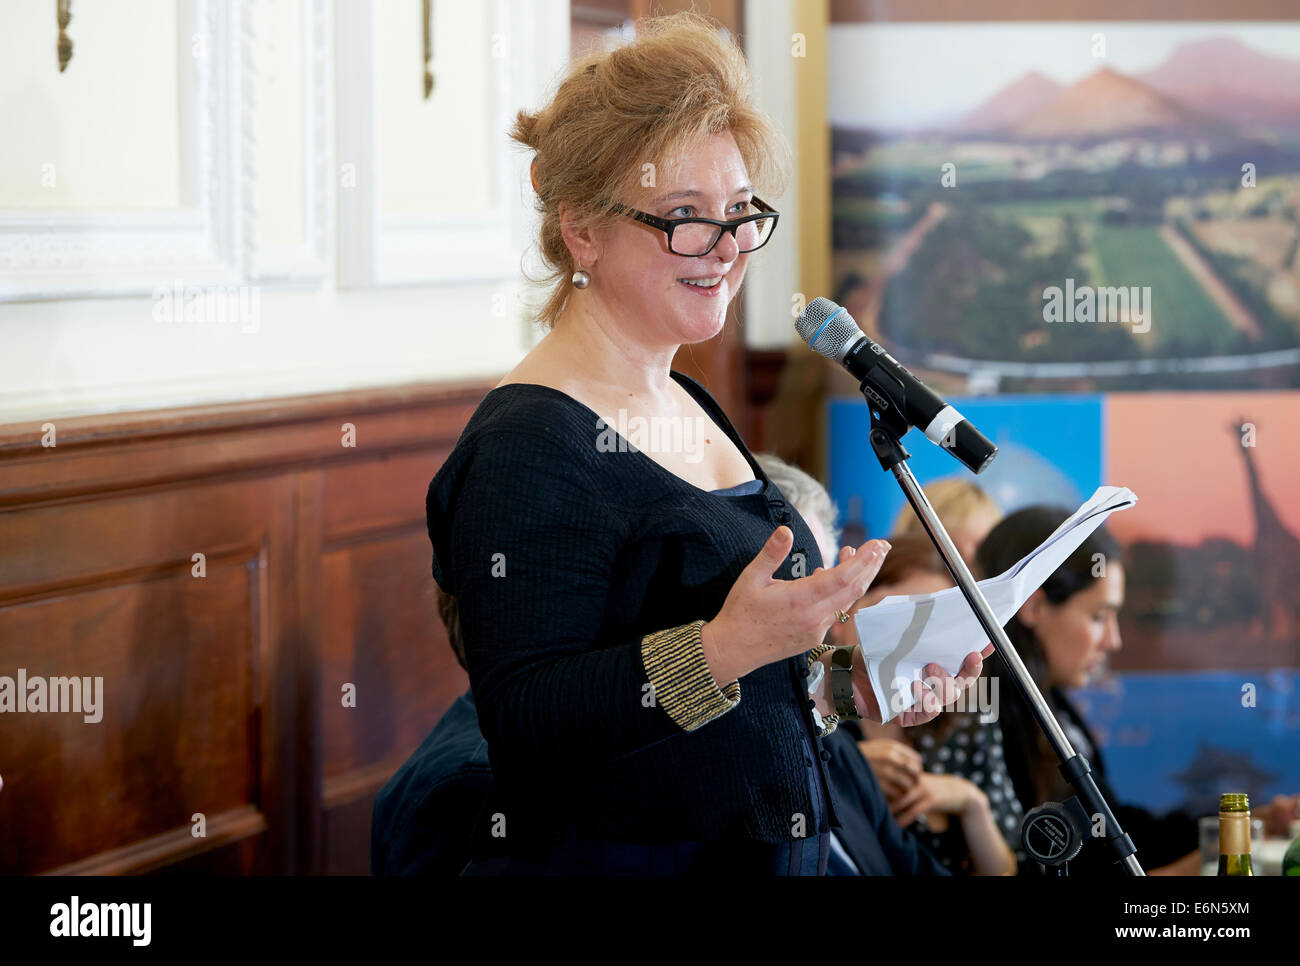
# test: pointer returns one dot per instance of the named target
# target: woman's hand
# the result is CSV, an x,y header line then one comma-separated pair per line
x,y
966,801
934,692
950,794
765,619
897,767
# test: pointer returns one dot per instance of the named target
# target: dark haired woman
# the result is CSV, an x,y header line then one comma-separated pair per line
x,y
1064,633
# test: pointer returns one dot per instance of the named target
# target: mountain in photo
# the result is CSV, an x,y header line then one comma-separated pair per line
x,y
1011,104
1107,104
1223,77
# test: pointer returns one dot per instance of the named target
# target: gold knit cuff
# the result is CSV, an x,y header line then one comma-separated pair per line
x,y
683,685
829,724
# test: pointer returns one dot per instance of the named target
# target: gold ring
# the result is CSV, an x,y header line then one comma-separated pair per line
x,y
842,617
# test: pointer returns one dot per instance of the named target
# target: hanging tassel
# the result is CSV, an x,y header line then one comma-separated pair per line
x,y
64,8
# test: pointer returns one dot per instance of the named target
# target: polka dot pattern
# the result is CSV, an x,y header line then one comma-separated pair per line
x,y
974,751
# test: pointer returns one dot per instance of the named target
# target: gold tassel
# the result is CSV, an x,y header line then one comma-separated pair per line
x,y
65,42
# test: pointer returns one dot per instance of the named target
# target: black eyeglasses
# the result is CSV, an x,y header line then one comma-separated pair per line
x,y
696,237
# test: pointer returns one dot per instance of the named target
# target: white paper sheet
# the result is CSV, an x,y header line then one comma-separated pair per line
x,y
899,636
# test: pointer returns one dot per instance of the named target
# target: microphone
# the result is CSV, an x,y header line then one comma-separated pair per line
x,y
899,397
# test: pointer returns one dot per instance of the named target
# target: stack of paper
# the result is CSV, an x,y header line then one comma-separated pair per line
x,y
899,636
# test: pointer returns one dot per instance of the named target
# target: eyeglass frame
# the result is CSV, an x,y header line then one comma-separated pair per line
x,y
667,225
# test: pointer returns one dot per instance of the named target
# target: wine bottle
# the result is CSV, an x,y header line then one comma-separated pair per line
x,y
1234,834
1291,858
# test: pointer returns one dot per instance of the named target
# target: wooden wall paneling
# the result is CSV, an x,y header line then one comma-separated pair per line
x,y
229,440
381,634
106,590
221,692
380,637
306,656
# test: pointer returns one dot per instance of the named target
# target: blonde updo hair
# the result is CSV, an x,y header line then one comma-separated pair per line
x,y
649,101
956,501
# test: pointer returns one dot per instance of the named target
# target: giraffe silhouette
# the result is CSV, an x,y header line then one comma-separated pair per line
x,y
1276,552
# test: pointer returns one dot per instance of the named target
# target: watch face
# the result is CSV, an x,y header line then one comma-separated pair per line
x,y
815,675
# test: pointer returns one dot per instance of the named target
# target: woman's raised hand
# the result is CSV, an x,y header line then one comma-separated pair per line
x,y
765,619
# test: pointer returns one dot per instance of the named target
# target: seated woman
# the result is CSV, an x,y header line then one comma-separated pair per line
x,y
1064,633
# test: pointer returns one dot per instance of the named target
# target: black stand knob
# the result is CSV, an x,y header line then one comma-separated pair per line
x,y
1052,834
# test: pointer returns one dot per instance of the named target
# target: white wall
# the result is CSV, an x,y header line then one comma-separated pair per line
x,y
245,185
773,276
281,151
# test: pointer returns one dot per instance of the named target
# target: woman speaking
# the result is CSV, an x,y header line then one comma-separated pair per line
x,y
643,623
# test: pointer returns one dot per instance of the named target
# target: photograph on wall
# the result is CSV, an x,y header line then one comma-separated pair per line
x,y
1067,207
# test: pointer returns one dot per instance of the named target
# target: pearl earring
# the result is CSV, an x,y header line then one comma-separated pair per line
x,y
581,278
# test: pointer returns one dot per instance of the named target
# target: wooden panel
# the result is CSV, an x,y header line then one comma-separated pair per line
x,y
47,547
382,634
221,692
226,440
174,659
379,494
234,842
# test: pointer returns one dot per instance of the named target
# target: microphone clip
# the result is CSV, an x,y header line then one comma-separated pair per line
x,y
888,424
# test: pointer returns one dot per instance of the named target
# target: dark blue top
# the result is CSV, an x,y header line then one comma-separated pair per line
x,y
741,489
558,581
807,854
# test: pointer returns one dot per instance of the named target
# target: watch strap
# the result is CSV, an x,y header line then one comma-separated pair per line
x,y
842,684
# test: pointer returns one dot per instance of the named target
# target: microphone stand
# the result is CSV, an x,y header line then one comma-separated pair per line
x,y
1053,834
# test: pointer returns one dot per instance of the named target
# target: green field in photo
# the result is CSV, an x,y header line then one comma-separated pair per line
x,y
1181,309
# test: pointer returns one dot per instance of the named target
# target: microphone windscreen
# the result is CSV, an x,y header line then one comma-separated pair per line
x,y
828,329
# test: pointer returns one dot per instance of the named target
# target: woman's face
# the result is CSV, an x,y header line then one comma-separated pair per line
x,y
1078,634
640,280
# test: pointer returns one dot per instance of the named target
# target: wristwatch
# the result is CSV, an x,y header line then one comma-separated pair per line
x,y
816,672
842,683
